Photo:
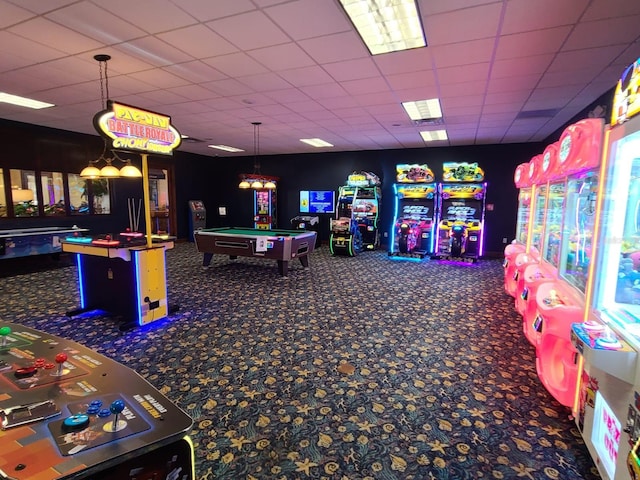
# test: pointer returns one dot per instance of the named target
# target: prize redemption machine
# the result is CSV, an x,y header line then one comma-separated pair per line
x,y
561,276
608,342
355,227
415,195
519,244
264,208
460,233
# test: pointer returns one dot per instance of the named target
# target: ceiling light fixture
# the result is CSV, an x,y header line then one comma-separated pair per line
x,y
256,180
23,101
316,142
434,135
226,148
386,25
109,170
423,109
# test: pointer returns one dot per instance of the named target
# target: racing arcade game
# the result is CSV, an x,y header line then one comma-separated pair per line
x,y
415,201
462,201
355,227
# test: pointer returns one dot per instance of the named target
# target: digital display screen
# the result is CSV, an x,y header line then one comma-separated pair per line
x,y
317,201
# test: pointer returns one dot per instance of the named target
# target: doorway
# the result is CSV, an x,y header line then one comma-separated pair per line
x,y
162,198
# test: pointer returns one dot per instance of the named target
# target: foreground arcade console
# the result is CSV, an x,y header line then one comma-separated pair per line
x,y
68,412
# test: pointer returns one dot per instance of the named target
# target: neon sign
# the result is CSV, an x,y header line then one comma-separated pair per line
x,y
133,129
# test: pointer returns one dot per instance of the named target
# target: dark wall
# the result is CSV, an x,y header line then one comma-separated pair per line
x,y
215,179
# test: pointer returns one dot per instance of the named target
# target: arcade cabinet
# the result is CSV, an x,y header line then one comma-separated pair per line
x,y
197,217
68,412
415,208
607,406
356,225
460,234
264,209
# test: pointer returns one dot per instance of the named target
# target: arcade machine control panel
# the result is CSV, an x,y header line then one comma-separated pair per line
x,y
67,412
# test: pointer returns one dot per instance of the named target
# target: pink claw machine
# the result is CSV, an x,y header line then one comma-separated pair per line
x,y
519,244
562,302
546,269
607,403
532,252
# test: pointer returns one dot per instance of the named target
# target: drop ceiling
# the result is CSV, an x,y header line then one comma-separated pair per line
x,y
506,71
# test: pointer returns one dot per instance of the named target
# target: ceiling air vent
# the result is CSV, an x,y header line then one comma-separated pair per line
x,y
429,121
547,113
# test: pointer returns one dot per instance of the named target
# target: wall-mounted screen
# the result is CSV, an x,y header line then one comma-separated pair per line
x,y
317,201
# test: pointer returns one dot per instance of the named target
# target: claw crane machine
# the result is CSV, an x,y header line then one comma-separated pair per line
x,y
606,405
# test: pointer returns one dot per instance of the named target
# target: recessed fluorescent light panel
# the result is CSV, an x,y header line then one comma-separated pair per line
x,y
23,101
434,135
386,25
423,109
316,142
226,148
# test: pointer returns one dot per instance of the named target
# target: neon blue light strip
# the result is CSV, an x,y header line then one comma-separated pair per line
x,y
136,267
80,280
392,241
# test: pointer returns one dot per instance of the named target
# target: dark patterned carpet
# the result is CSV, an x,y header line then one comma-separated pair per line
x,y
358,368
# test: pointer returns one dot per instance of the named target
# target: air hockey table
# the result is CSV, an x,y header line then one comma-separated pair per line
x,y
22,242
277,244
67,412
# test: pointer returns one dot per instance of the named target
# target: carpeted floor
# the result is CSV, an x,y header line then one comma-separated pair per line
x,y
357,368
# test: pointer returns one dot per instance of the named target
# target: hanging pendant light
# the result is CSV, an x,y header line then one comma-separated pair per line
x,y
92,171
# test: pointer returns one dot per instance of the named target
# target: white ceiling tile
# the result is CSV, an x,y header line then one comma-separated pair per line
x,y
40,7
205,10
159,78
236,64
366,85
516,67
335,48
47,32
406,61
320,18
153,16
601,9
594,58
265,82
234,30
477,87
81,16
475,51
282,57
300,77
463,25
198,41
196,71
352,69
602,33
525,15
155,51
464,73
12,14
414,80
536,42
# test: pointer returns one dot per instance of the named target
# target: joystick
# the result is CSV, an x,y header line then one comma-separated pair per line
x,y
116,407
60,359
4,332
75,423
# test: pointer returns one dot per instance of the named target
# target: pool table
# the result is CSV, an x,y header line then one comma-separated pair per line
x,y
280,245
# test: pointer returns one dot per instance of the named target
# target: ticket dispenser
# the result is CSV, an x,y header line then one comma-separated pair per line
x,y
197,217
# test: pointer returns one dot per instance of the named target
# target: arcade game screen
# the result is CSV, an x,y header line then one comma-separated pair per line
x,y
553,223
524,213
579,223
537,228
617,288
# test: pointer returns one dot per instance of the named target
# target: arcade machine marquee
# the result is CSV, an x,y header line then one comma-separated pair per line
x,y
67,412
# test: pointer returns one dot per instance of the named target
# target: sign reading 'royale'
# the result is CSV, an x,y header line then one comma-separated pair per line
x,y
133,129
